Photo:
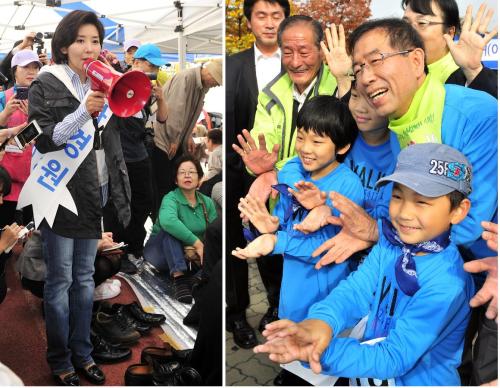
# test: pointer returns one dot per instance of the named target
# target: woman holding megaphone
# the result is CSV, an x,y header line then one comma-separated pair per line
x,y
74,184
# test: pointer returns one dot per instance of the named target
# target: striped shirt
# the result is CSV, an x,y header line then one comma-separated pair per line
x,y
74,121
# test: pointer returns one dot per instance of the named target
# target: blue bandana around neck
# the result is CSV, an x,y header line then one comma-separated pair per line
x,y
294,208
405,268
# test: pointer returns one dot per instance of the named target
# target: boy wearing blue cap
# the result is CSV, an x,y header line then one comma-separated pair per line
x,y
412,287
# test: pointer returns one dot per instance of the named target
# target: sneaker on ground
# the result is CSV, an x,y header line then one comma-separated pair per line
x,y
106,291
114,282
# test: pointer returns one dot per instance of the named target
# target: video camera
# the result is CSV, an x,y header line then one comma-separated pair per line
x,y
39,40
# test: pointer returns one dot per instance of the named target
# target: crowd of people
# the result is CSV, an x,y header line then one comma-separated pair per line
x,y
101,176
371,177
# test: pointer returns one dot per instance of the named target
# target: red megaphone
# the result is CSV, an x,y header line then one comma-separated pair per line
x,y
126,93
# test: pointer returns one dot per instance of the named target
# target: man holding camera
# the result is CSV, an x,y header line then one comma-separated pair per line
x,y
184,94
27,43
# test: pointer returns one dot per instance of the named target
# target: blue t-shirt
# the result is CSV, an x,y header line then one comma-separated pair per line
x,y
302,285
424,334
470,125
371,163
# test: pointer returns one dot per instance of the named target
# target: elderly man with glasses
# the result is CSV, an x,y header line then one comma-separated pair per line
x,y
389,64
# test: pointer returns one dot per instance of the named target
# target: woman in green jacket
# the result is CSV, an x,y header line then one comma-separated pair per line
x,y
182,219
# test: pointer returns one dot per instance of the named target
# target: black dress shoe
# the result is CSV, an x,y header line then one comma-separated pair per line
x,y
106,353
114,329
93,374
123,313
139,375
153,355
139,314
70,379
243,334
173,373
271,315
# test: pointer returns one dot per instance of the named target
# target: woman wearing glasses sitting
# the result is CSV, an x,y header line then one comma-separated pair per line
x,y
182,219
454,62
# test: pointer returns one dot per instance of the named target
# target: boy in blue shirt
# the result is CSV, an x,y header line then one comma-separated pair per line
x,y
412,286
326,130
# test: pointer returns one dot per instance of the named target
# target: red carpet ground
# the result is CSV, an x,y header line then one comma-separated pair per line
x,y
22,335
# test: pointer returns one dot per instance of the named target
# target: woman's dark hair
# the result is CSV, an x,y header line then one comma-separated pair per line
x,y
13,72
192,159
215,135
5,181
449,8
328,116
67,31
248,6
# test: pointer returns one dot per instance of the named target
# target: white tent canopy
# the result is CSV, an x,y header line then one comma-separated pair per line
x,y
150,21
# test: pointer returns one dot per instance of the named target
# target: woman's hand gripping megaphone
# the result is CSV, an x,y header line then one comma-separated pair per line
x,y
126,93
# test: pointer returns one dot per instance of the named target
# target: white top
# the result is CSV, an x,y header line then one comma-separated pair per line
x,y
266,67
301,98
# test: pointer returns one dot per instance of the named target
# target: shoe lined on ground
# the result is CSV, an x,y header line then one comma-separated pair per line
x,y
106,353
116,282
139,374
106,290
155,355
70,379
139,314
271,315
114,329
94,374
182,285
124,314
173,373
152,354
243,334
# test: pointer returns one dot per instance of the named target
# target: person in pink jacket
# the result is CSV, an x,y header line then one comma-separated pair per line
x,y
14,103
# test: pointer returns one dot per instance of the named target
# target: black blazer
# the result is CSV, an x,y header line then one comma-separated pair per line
x,y
241,98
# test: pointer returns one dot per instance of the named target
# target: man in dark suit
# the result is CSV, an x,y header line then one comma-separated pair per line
x,y
247,73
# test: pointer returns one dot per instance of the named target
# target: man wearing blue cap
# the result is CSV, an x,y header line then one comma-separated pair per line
x,y
412,286
133,134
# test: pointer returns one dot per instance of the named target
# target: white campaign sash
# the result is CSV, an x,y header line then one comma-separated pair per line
x,y
46,188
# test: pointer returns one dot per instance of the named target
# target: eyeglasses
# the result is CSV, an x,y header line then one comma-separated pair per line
x,y
422,24
376,59
187,173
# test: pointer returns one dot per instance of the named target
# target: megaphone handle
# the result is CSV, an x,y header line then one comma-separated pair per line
x,y
97,134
